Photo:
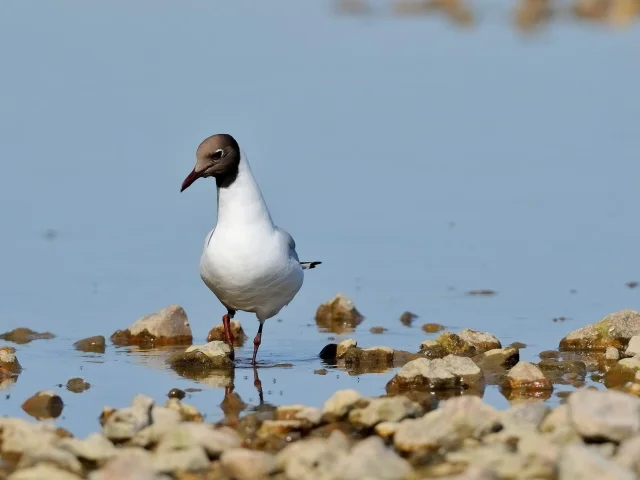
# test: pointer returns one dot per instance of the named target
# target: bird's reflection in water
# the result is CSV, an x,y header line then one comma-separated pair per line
x,y
232,404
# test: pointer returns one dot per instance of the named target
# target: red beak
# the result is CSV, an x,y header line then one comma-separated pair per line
x,y
192,177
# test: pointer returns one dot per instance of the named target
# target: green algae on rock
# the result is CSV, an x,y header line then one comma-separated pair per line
x,y
614,330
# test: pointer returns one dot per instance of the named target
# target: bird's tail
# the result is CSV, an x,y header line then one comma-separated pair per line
x,y
308,265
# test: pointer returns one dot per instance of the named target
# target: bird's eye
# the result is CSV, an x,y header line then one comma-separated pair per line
x,y
217,155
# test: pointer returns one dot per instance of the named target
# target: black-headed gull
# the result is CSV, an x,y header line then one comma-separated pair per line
x,y
249,263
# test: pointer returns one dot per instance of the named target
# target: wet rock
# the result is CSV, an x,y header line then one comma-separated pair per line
x,y
95,344
622,372
614,330
378,330
609,415
329,352
169,326
385,409
124,423
526,376
244,464
612,353
549,354
77,385
455,421
339,404
320,371
188,413
176,393
455,345
344,346
481,340
95,448
432,327
42,472
578,461
407,318
199,360
559,368
633,348
439,374
499,358
217,333
431,349
9,365
338,315
369,359
402,357
370,459
25,335
43,405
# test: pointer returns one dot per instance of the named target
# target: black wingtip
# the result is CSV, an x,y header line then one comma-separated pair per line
x,y
309,265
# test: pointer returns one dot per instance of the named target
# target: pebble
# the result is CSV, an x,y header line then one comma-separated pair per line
x,y
9,364
338,315
481,340
43,472
168,326
457,419
407,318
95,447
526,376
344,346
124,423
438,374
498,358
610,415
201,358
77,385
43,405
614,330
578,461
239,336
612,353
339,404
244,464
96,344
633,348
385,409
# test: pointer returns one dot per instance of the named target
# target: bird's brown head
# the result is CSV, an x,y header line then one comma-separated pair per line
x,y
217,156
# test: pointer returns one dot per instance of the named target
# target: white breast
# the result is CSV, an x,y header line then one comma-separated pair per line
x,y
250,272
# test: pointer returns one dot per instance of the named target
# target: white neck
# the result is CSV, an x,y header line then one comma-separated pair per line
x,y
241,203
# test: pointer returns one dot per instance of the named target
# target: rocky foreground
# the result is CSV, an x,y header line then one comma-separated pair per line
x,y
431,422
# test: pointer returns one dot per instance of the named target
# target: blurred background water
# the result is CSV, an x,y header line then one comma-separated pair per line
x,y
416,159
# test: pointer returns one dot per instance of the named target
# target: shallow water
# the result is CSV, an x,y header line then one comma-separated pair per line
x,y
416,160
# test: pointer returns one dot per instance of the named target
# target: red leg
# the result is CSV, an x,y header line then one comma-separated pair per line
x,y
256,342
226,322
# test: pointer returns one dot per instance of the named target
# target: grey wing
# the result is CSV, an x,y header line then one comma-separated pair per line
x,y
292,250
291,243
